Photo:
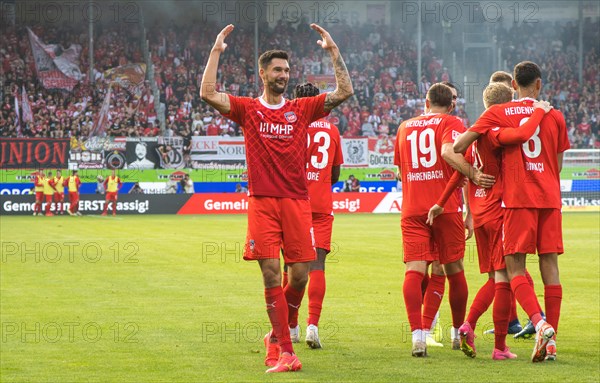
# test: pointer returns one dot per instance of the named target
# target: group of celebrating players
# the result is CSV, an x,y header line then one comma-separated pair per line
x,y
51,189
512,159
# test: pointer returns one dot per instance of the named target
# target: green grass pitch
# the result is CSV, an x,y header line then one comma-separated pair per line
x,y
168,299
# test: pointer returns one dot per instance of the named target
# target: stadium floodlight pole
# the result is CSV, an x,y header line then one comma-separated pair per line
x,y
419,43
256,50
91,44
580,53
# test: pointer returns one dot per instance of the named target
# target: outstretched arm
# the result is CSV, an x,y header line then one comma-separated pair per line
x,y
208,92
343,85
524,132
465,140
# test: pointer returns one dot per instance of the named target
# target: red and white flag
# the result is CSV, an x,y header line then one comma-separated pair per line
x,y
26,106
103,117
56,67
17,118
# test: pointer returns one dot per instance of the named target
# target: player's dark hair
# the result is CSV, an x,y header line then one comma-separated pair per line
x,y
451,85
306,90
503,77
265,59
440,95
526,72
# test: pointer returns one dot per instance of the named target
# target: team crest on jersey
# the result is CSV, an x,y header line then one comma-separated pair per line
x,y
290,117
455,134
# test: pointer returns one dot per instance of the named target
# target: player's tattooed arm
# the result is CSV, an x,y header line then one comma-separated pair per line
x,y
208,91
344,89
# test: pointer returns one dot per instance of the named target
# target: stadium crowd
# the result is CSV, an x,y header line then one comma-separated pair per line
x,y
382,64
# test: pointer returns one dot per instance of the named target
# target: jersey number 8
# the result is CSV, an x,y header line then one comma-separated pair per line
x,y
533,140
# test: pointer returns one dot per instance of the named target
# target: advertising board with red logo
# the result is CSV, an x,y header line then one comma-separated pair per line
x,y
236,203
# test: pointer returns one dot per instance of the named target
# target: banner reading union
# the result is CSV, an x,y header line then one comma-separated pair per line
x,y
34,153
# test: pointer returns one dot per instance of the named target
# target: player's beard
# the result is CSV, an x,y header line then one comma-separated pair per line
x,y
278,88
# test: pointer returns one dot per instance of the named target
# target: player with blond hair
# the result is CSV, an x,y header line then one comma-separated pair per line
x,y
532,218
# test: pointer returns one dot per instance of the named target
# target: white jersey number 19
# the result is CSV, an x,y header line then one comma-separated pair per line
x,y
423,147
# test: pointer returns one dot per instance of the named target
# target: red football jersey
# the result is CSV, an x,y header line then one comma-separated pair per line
x,y
530,171
424,171
276,142
485,204
324,152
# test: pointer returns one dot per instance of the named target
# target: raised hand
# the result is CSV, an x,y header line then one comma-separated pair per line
x,y
326,41
220,44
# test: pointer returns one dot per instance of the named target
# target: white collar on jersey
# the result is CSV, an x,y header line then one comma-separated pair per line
x,y
428,114
271,106
525,99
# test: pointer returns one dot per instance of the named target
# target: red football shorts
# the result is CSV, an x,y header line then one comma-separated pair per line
x,y
489,246
323,226
526,230
39,196
111,196
444,241
59,197
276,223
48,198
73,198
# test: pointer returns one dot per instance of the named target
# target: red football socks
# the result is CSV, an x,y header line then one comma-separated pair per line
x,y
413,298
501,312
316,294
530,280
526,297
424,284
458,292
513,308
433,299
552,300
277,309
293,298
483,300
